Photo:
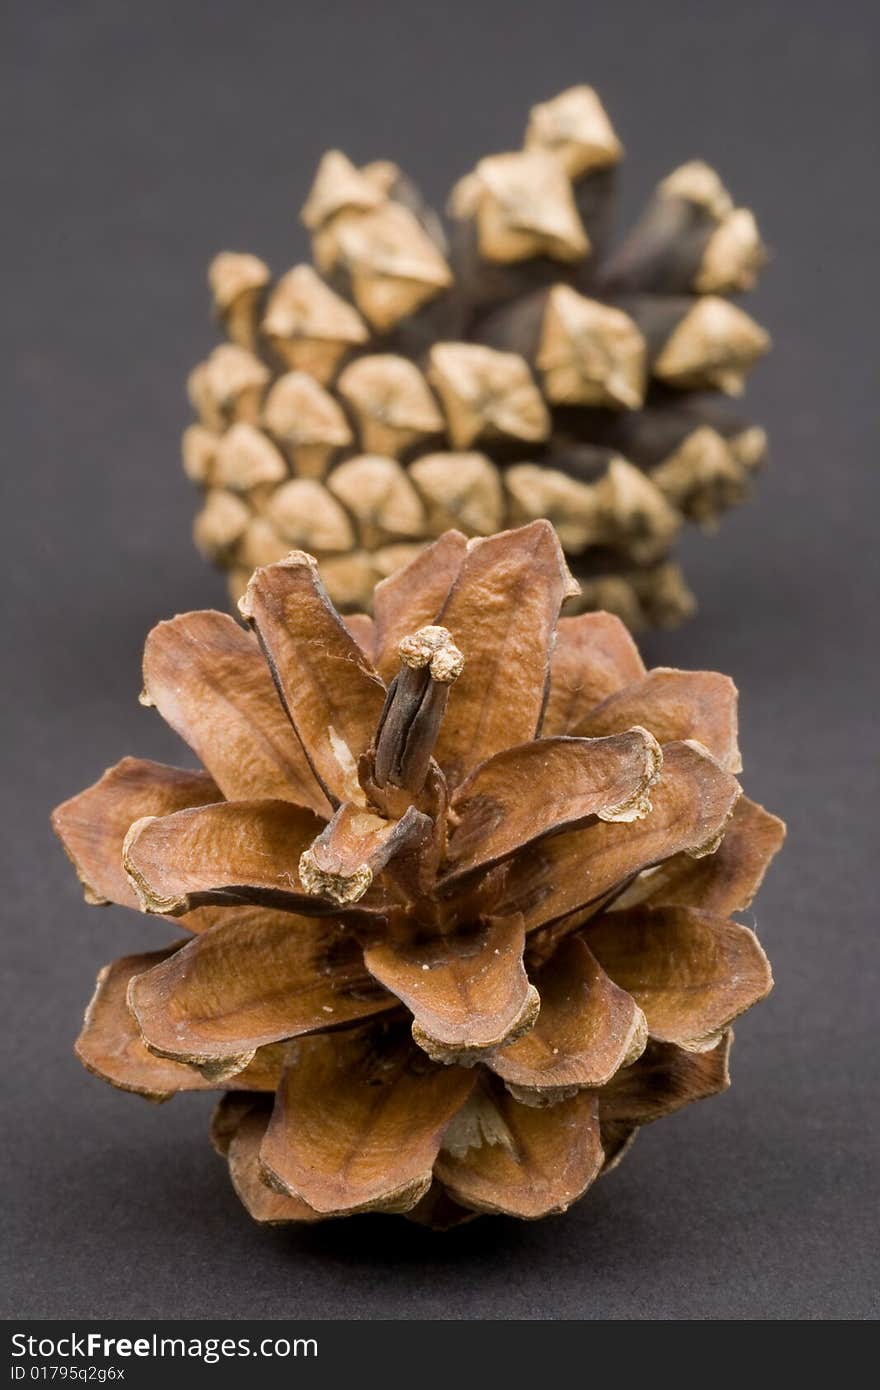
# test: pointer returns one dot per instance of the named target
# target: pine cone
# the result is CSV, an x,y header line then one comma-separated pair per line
x,y
460,878
512,371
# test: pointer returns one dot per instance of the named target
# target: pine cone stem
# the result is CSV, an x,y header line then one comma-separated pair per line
x,y
414,708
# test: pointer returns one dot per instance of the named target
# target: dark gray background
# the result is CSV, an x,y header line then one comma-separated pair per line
x,y
144,137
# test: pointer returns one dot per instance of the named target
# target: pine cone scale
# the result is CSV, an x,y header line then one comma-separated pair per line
x,y
203,674
587,1029
577,780
112,1046
217,854
505,602
93,825
265,1205
724,968
723,882
567,873
291,976
468,995
594,657
537,1161
664,1079
677,705
332,696
387,1108
110,1043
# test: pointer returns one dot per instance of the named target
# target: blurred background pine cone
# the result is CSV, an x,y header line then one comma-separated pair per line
x,y
505,365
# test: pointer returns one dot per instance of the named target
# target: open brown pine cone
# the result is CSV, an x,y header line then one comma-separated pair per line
x,y
459,879
507,369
